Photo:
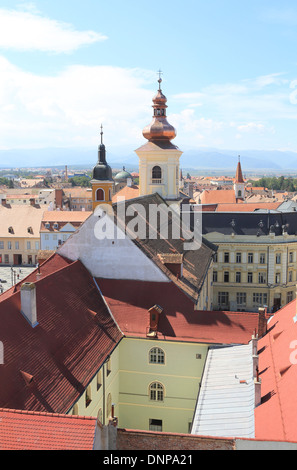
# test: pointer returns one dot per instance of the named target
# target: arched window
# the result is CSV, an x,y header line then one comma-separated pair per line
x,y
239,193
100,415
156,391
100,196
156,356
108,405
157,173
99,380
88,396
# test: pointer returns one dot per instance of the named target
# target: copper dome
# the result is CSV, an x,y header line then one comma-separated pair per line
x,y
159,128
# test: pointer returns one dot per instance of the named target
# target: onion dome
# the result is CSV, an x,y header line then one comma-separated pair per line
x,y
159,129
102,171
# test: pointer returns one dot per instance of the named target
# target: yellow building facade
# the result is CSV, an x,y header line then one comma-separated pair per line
x,y
253,270
159,167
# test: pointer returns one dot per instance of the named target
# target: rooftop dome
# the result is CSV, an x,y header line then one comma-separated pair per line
x,y
123,175
159,129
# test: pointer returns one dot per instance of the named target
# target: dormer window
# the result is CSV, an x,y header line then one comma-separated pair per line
x,y
30,230
56,225
10,230
47,225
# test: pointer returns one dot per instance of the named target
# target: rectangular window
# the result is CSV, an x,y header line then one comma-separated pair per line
x,y
238,258
278,258
291,257
277,278
1,245
215,258
241,298
250,258
36,245
6,259
226,257
289,297
226,276
290,276
250,278
28,245
238,278
259,298
17,245
9,245
215,276
262,258
46,236
262,278
223,299
156,425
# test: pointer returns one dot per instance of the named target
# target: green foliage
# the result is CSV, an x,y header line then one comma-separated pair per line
x,y
82,181
6,182
278,184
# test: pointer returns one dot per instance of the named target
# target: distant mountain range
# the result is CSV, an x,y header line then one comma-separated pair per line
x,y
196,159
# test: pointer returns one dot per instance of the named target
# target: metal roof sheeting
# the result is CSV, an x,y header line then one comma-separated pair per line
x,y
225,406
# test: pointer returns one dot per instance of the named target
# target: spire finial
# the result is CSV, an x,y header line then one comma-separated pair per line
x,y
160,79
101,134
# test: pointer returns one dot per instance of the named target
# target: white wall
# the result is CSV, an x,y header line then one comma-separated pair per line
x,y
110,258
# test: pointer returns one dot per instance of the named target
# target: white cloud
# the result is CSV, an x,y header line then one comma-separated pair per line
x,y
67,109
28,30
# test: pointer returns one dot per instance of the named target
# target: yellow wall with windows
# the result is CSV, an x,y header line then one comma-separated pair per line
x,y
130,379
256,267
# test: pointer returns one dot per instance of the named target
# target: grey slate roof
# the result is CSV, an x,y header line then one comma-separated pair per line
x,y
225,407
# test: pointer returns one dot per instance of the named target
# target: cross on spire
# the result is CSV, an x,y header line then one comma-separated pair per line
x,y
160,79
101,134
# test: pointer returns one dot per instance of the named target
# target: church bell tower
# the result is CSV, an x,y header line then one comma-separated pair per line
x,y
102,182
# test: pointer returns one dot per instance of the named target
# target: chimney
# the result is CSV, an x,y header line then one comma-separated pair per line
x,y
257,383
262,322
155,313
28,303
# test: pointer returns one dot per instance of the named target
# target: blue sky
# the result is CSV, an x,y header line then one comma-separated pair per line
x,y
229,72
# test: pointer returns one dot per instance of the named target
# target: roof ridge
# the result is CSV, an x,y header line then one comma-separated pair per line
x,y
44,413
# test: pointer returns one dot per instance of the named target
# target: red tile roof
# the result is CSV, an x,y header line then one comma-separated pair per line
x,y
247,206
218,196
130,301
51,265
23,430
64,351
276,417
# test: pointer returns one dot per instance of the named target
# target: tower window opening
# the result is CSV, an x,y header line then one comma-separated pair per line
x,y
157,175
100,196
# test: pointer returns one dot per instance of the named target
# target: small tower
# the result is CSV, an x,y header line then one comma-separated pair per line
x,y
102,182
239,184
159,170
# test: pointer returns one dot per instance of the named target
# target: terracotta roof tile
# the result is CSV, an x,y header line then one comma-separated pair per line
x,y
23,430
64,351
130,301
276,417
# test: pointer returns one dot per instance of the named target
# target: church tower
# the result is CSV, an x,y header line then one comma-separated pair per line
x,y
239,184
159,169
102,182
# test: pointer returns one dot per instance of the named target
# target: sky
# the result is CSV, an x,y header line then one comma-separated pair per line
x,y
229,72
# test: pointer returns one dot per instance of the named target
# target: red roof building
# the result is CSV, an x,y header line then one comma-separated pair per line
x,y
276,417
130,302
48,367
27,430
